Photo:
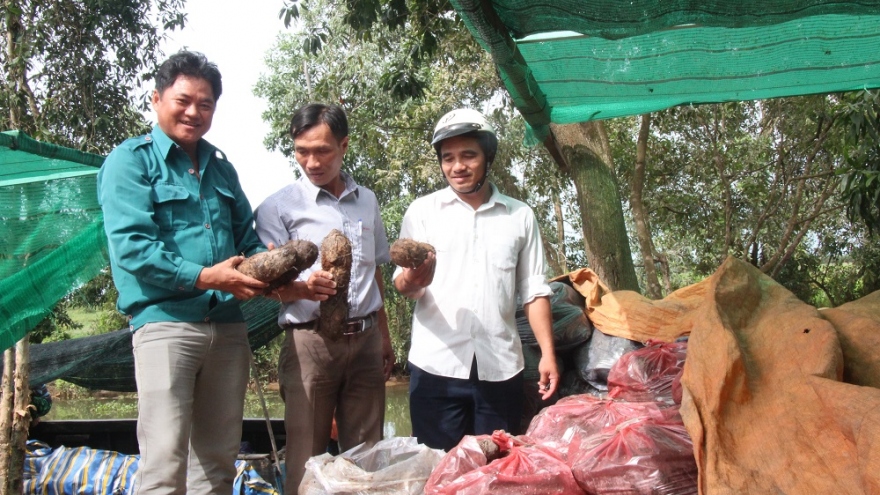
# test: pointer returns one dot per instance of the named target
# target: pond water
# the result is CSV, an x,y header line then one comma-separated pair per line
x,y
397,422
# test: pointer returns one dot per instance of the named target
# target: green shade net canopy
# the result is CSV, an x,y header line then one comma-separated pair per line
x,y
52,234
51,242
571,61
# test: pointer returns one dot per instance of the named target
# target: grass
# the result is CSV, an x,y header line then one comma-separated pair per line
x,y
85,317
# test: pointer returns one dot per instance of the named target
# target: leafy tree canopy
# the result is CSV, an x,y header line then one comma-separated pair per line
x,y
72,69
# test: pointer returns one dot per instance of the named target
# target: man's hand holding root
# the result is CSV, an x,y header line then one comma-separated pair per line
x,y
224,277
318,287
412,281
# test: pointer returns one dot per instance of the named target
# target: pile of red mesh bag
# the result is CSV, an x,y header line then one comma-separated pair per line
x,y
632,442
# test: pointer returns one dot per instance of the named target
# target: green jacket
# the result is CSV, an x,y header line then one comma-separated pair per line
x,y
164,224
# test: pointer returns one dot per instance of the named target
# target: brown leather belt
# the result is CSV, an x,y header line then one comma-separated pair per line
x,y
352,326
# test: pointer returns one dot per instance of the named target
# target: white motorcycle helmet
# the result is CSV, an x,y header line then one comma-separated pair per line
x,y
465,121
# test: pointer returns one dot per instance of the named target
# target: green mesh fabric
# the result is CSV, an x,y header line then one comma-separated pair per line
x,y
105,362
51,242
572,61
52,235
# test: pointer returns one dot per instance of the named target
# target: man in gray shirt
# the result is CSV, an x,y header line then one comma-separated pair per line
x,y
317,374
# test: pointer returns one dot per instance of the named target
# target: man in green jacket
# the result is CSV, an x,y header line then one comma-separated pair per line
x,y
177,221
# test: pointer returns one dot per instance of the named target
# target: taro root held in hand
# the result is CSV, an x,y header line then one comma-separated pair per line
x,y
409,253
336,259
281,265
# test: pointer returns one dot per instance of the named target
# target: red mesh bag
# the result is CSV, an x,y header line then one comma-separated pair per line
x,y
641,456
567,425
525,469
465,457
646,374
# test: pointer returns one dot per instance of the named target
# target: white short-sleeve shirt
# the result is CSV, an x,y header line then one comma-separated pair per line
x,y
485,259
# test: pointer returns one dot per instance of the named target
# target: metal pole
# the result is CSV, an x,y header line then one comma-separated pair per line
x,y
278,475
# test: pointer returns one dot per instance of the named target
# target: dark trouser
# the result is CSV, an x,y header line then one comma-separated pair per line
x,y
443,410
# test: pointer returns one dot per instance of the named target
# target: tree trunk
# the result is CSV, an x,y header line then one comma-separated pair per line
x,y
587,160
6,406
560,234
14,67
640,215
21,417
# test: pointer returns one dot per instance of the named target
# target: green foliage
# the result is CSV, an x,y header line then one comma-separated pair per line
x,y
266,360
97,293
757,180
393,91
860,185
752,180
834,275
99,296
398,308
411,34
71,69
110,320
55,326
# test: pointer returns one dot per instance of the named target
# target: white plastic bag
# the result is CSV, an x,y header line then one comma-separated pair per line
x,y
394,466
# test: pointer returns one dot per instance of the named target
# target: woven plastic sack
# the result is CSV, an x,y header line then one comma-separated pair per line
x,y
595,360
641,456
571,327
570,425
394,466
572,384
647,374
526,468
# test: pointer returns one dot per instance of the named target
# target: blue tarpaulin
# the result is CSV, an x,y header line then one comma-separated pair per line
x,y
86,471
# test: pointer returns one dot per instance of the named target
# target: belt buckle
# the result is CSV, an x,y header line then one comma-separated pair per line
x,y
359,325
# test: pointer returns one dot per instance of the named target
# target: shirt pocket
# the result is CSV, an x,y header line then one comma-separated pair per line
x,y
367,241
170,206
224,207
502,252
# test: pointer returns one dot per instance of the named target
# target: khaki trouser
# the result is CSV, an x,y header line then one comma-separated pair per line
x,y
191,380
319,376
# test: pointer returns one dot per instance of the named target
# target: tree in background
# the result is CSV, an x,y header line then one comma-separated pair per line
x,y
72,69
392,114
72,72
424,29
756,180
861,177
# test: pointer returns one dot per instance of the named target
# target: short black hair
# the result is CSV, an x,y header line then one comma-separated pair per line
x,y
315,113
191,64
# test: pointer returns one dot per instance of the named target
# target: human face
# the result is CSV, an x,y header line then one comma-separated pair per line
x,y
463,163
320,155
185,111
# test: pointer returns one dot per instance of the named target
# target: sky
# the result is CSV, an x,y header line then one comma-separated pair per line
x,y
236,36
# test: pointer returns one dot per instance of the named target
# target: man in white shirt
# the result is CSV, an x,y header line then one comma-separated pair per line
x,y
466,357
